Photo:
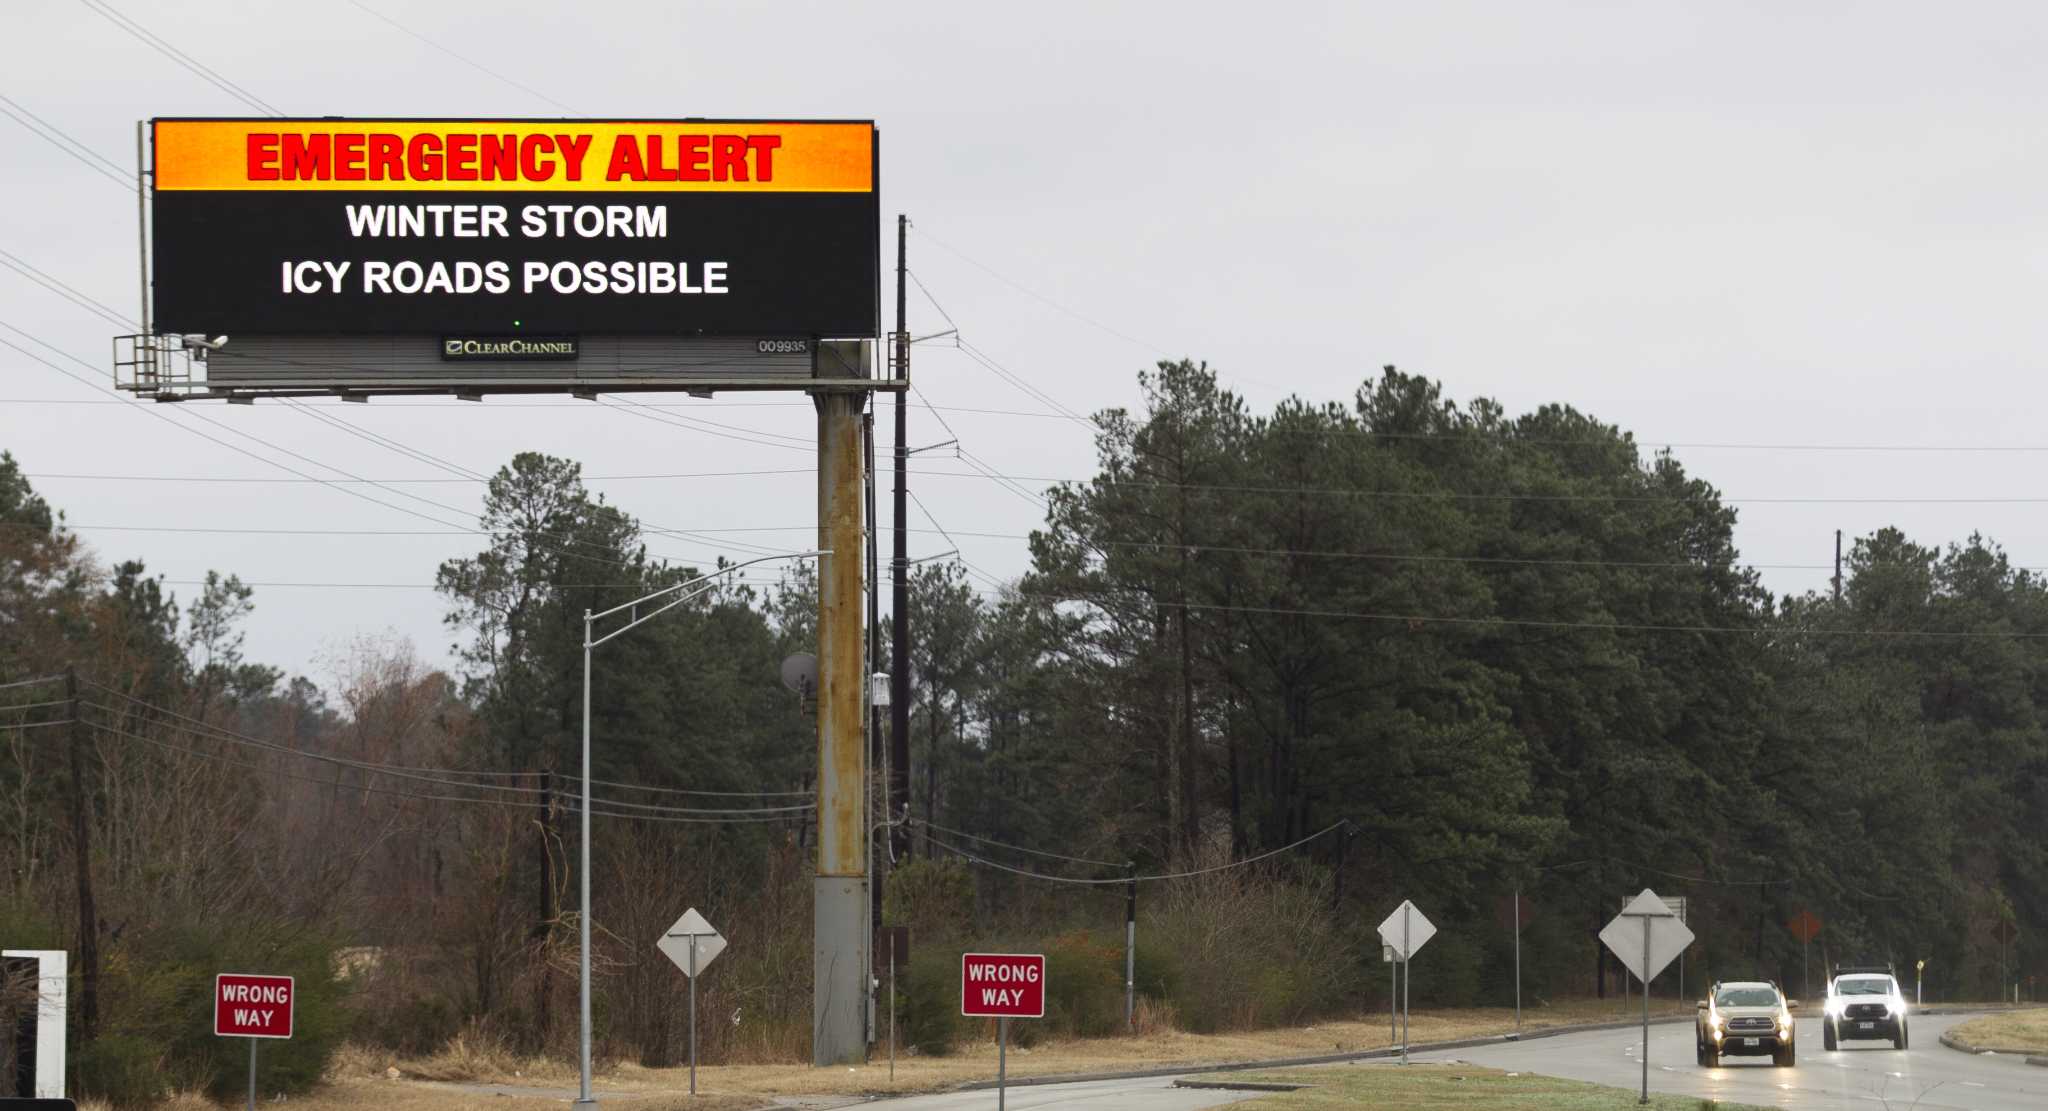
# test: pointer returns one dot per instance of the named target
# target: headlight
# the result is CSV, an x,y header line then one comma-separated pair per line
x,y
1832,1008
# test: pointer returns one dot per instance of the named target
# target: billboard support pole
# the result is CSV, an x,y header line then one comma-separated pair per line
x,y
841,973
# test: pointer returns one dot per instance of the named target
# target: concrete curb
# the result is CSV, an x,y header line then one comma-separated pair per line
x,y
1195,1069
1949,1039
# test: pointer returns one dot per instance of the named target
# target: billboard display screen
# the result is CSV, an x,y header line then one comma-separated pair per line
x,y
500,228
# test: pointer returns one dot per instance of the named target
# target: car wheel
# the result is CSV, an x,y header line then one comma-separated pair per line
x,y
1899,1042
1784,1058
1828,1040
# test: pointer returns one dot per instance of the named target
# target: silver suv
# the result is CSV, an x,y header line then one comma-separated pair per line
x,y
1864,1003
1745,1019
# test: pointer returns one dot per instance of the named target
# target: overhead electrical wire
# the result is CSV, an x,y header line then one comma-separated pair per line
x,y
465,60
164,47
1152,878
377,484
567,803
435,775
63,142
1016,848
418,455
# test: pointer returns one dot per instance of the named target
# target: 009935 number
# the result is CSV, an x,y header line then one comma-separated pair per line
x,y
782,346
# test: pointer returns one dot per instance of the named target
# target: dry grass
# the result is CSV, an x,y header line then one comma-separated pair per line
x,y
1434,1087
1161,1046
399,1095
2016,1032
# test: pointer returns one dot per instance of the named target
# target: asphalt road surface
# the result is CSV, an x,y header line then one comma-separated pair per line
x,y
1861,1075
1156,1094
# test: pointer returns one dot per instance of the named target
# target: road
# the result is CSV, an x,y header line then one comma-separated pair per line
x,y
1156,1094
1862,1075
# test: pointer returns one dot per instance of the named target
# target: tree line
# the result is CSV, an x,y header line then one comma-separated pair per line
x,y
1506,653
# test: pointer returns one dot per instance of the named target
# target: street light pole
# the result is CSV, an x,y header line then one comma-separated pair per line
x,y
675,596
583,1096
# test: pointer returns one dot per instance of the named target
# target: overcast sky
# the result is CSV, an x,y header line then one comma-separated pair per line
x,y
1754,229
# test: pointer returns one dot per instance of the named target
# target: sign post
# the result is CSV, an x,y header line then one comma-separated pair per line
x,y
253,1007
896,939
1646,950
1406,930
1393,994
1805,926
1511,912
692,944
1002,986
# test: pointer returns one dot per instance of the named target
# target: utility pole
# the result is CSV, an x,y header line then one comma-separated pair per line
x,y
840,970
81,847
543,929
899,570
1838,567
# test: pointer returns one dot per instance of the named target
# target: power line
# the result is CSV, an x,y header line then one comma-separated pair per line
x,y
20,265
567,802
164,47
1036,296
470,62
1017,848
1159,877
63,476
438,776
64,142
1421,622
152,411
1006,479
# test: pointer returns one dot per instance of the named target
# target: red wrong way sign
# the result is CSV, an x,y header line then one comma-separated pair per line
x,y
1002,985
251,1006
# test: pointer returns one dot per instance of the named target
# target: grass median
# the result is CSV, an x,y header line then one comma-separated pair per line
x,y
976,1060
1433,1087
2014,1032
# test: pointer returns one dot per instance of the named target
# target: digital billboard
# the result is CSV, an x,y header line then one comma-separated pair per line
x,y
473,235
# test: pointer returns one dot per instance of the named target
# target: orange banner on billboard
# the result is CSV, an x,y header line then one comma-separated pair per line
x,y
570,156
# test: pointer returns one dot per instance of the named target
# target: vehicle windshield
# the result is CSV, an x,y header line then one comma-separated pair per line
x,y
1746,997
1868,986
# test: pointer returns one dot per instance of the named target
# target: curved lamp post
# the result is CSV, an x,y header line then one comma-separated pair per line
x,y
669,597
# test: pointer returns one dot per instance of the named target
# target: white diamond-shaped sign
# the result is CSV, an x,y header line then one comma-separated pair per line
x,y
1406,930
675,944
1667,936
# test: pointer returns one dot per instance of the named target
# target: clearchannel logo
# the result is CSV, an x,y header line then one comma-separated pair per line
x,y
515,348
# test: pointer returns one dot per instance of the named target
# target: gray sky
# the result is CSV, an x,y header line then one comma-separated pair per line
x,y
1711,223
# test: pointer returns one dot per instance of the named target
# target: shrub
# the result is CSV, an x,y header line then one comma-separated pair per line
x,y
935,898
160,987
1084,988
120,1070
1242,949
930,1000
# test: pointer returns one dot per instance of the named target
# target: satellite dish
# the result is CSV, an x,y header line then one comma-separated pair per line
x,y
800,673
